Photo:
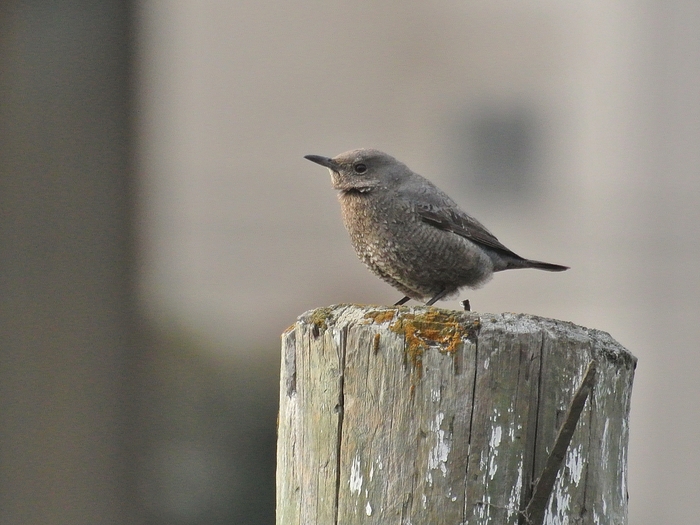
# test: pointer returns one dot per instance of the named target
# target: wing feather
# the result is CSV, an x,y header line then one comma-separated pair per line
x,y
459,223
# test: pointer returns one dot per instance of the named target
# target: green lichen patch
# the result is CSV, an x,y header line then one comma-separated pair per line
x,y
319,319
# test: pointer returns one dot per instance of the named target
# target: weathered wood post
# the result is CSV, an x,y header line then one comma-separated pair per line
x,y
417,415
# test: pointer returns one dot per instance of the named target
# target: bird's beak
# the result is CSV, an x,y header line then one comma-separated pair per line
x,y
323,161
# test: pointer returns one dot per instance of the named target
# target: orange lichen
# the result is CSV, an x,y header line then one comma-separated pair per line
x,y
441,329
375,344
381,316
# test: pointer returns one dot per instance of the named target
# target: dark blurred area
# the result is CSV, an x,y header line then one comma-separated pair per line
x,y
205,432
103,417
69,337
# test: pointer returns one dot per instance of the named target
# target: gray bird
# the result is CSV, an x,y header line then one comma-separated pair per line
x,y
410,233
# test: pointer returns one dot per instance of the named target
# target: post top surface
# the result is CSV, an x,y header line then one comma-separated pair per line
x,y
400,318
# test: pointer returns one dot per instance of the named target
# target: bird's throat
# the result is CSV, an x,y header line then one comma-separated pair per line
x,y
356,191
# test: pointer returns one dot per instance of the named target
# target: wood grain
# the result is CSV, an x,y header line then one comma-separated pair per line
x,y
417,415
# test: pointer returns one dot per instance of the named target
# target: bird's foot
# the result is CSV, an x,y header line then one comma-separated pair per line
x,y
402,301
442,293
467,306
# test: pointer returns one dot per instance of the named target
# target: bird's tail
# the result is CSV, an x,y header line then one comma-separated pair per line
x,y
548,267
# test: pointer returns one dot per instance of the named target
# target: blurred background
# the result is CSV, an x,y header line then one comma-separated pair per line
x,y
160,227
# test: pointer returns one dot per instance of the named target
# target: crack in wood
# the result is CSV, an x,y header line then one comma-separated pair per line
x,y
535,510
471,423
340,409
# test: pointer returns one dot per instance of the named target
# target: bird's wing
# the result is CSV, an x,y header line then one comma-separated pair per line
x,y
456,221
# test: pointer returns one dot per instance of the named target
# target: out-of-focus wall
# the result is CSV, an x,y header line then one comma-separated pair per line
x,y
569,129
67,324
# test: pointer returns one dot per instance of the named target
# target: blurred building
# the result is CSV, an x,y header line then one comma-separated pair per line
x,y
570,130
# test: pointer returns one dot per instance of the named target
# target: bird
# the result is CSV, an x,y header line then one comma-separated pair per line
x,y
412,234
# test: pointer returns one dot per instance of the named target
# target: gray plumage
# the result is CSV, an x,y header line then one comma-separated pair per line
x,y
410,233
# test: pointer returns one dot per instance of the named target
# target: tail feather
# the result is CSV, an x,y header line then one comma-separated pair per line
x,y
548,267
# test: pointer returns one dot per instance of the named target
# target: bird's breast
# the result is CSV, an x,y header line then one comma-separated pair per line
x,y
373,222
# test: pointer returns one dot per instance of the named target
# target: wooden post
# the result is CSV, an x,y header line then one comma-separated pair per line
x,y
418,415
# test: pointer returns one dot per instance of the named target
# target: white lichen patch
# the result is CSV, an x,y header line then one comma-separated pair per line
x,y
493,467
494,442
558,510
438,454
483,510
368,509
516,491
574,463
337,338
355,476
496,434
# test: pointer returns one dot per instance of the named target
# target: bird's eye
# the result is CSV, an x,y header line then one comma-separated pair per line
x,y
360,168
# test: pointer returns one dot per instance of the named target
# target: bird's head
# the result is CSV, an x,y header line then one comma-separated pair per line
x,y
362,170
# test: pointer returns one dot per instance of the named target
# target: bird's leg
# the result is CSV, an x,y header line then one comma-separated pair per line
x,y
402,301
467,306
442,293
